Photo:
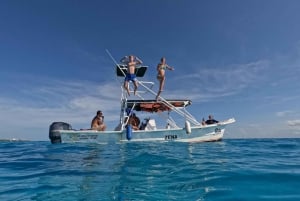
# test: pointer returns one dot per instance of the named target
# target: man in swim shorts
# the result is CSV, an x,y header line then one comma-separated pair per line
x,y
131,62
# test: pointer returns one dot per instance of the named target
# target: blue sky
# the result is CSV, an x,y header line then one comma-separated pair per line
x,y
231,58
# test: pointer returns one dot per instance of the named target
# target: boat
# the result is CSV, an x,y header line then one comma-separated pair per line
x,y
188,129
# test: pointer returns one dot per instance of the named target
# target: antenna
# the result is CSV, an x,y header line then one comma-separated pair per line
x,y
112,58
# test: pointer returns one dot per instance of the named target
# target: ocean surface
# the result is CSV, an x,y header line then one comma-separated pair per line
x,y
241,169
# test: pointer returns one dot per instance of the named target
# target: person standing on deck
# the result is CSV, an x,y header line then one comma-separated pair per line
x,y
161,68
131,62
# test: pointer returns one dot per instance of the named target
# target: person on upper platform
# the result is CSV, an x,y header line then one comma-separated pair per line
x,y
161,68
131,61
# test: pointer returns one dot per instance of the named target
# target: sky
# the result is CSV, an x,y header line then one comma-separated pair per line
x,y
232,58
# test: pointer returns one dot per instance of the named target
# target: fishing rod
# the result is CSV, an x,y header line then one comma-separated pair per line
x,y
112,58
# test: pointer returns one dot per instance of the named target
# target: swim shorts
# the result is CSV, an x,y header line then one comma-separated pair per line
x,y
130,77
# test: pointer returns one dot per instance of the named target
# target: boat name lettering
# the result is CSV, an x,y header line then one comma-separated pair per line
x,y
170,137
85,137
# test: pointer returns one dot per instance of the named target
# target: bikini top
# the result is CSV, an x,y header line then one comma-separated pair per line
x,y
163,67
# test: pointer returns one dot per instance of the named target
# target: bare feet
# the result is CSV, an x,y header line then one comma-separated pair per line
x,y
158,94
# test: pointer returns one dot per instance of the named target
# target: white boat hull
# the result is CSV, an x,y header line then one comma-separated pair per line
x,y
207,133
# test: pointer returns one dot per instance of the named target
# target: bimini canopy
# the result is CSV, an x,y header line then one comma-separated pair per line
x,y
156,106
139,70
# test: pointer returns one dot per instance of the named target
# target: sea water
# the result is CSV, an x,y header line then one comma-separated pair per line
x,y
244,169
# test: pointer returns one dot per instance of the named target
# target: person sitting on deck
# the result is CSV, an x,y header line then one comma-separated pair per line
x,y
131,62
98,122
134,121
211,120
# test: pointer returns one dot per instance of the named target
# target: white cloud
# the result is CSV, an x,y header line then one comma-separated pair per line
x,y
284,113
45,102
294,123
210,83
261,130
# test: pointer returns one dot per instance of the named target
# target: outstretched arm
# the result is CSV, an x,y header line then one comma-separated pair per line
x,y
124,59
138,61
169,67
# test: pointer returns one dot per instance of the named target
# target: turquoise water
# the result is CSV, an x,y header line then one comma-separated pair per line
x,y
248,169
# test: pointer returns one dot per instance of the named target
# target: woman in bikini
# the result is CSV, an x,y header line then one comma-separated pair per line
x,y
161,68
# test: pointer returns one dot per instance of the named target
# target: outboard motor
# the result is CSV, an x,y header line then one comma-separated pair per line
x,y
54,135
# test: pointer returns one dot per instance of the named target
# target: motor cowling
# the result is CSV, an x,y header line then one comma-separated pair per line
x,y
54,135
